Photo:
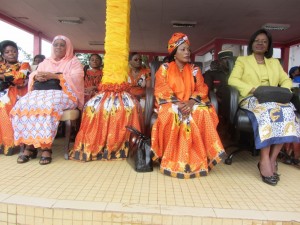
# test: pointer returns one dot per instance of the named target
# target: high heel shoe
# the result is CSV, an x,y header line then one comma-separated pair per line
x,y
271,180
277,175
25,158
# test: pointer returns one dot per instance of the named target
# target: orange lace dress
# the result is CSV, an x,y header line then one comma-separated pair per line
x,y
190,147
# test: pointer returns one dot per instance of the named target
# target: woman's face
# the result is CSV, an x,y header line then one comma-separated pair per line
x,y
60,48
37,61
183,53
10,54
260,44
136,61
95,61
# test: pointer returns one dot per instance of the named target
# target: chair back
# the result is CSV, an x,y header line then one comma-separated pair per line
x,y
149,103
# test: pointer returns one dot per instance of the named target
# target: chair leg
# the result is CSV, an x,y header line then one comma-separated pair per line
x,y
228,160
67,138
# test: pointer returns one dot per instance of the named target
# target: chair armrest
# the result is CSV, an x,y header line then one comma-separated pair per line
x,y
296,98
230,102
213,99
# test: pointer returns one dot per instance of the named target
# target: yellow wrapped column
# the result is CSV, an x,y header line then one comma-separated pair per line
x,y
117,38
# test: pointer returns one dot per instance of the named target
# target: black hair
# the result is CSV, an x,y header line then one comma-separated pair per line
x,y
99,57
133,54
170,57
6,43
42,57
269,52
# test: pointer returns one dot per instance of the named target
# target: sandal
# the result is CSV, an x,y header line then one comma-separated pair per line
x,y
25,158
44,160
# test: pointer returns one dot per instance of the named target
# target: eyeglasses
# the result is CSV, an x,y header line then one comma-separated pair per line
x,y
59,45
137,59
265,42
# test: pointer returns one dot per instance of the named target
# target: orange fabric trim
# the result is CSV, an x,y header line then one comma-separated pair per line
x,y
36,142
114,87
62,83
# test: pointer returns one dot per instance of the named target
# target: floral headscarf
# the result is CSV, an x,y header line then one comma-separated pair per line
x,y
176,40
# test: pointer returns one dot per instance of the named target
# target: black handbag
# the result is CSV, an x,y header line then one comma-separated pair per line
x,y
52,84
139,151
273,94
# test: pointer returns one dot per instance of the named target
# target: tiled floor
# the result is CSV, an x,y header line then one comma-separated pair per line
x,y
69,192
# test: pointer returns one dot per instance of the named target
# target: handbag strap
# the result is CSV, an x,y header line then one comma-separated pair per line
x,y
135,131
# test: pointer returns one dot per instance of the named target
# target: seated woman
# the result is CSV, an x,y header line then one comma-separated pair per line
x,y
184,136
92,76
36,61
273,123
139,77
12,75
55,86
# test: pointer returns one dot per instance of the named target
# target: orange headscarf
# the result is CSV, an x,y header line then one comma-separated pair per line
x,y
176,40
69,66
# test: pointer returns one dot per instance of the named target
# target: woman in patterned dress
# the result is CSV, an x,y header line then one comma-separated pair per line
x,y
184,136
55,86
273,123
12,75
92,76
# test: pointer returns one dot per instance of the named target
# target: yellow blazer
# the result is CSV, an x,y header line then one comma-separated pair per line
x,y
245,75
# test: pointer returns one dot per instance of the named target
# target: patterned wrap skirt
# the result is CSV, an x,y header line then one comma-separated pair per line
x,y
8,98
272,122
35,117
187,148
102,134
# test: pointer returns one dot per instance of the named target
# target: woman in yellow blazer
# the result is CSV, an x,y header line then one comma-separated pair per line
x,y
273,123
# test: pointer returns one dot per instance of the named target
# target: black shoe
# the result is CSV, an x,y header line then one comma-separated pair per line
x,y
295,161
25,158
277,176
271,180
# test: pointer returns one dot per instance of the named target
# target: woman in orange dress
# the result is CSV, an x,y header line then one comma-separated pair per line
x,y
184,136
92,76
12,75
139,77
55,86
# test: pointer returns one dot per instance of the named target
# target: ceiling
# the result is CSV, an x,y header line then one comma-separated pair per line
x,y
151,20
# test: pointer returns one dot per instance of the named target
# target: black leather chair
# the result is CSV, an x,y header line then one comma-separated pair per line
x,y
150,115
238,122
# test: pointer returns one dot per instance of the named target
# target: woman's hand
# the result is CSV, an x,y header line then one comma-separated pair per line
x,y
90,90
185,107
44,76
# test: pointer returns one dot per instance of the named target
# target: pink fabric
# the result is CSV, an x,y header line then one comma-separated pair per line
x,y
69,66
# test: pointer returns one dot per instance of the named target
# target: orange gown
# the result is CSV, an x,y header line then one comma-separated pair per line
x,y
188,148
91,78
138,84
102,134
138,89
17,74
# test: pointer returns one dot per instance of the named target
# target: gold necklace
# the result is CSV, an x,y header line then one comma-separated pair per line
x,y
260,61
